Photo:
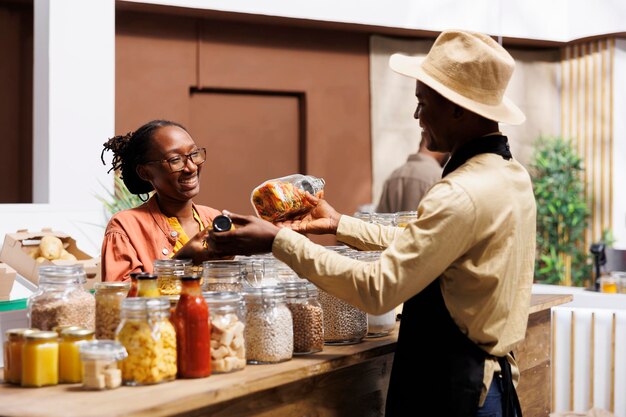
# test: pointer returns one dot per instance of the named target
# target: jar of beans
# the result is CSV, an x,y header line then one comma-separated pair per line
x,y
269,327
308,317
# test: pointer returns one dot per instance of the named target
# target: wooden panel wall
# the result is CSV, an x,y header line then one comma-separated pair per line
x,y
161,60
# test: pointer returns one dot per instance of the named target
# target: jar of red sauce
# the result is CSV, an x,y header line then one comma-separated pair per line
x,y
193,330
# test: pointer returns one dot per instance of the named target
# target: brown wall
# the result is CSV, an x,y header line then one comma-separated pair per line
x,y
16,101
264,100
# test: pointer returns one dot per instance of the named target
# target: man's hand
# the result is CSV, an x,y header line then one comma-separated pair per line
x,y
322,219
249,236
196,249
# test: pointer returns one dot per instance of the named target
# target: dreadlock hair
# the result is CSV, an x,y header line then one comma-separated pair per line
x,y
129,151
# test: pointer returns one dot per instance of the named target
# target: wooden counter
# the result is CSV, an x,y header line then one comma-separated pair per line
x,y
340,381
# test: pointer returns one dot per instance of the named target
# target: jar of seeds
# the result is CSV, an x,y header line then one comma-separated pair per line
x,y
169,272
223,275
228,350
109,296
307,314
269,327
61,299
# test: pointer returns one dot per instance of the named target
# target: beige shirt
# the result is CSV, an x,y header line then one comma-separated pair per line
x,y
475,229
406,185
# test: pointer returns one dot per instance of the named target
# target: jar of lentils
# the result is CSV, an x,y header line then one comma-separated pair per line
x,y
308,317
223,275
61,299
169,272
109,296
226,311
269,327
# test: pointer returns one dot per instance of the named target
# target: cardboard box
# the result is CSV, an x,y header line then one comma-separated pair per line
x,y
7,278
18,246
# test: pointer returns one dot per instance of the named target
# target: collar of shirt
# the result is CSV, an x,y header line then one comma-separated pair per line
x,y
491,143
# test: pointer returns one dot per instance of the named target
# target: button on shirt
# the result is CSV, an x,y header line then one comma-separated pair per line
x,y
475,229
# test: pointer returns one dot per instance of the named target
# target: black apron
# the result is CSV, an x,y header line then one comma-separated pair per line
x,y
437,370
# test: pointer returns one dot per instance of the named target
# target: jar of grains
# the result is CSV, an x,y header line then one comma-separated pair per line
x,y
109,296
149,339
268,332
223,275
169,272
61,299
228,350
307,315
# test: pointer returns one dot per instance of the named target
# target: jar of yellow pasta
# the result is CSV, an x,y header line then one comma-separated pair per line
x,y
149,339
169,272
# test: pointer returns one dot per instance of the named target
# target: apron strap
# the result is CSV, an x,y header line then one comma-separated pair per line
x,y
510,401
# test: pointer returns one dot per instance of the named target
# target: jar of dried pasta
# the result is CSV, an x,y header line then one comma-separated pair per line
x,y
169,272
149,339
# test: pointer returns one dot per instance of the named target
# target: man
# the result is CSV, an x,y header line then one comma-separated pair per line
x,y
407,184
463,268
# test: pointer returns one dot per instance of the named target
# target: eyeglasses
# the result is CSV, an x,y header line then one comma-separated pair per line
x,y
179,162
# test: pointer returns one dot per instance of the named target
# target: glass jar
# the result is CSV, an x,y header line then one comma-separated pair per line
x,y
378,325
193,331
252,270
99,360
132,292
609,284
226,311
344,324
40,359
61,299
147,286
385,219
363,215
13,354
268,332
70,368
284,198
224,275
403,218
307,315
150,340
109,296
169,272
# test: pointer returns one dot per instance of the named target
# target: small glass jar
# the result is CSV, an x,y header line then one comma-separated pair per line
x,y
150,340
109,296
620,277
228,350
147,286
269,327
385,219
61,299
403,218
609,284
70,368
99,360
40,359
307,315
13,354
223,275
169,272
132,292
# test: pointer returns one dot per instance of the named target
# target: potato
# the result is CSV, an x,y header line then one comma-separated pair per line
x,y
66,256
34,253
51,247
40,259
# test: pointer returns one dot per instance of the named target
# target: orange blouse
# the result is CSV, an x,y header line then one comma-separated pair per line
x,y
135,238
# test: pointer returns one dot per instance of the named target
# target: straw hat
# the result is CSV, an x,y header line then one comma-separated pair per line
x,y
470,69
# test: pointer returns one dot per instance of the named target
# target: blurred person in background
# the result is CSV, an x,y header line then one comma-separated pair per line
x,y
407,184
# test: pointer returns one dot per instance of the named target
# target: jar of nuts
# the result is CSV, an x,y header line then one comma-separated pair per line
x,y
223,275
61,299
307,315
269,327
169,272
109,296
226,311
149,339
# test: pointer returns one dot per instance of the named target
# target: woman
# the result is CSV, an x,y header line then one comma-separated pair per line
x,y
162,157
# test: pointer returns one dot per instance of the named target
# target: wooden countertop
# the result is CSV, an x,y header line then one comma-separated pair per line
x,y
184,396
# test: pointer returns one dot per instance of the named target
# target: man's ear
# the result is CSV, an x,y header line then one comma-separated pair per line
x,y
143,173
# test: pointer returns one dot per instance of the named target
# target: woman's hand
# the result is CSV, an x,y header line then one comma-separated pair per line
x,y
322,219
249,236
196,249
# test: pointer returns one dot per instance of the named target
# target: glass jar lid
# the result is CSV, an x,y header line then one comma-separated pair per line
x,y
79,332
41,335
62,274
295,289
146,276
171,264
268,292
223,268
59,329
107,350
222,297
112,285
18,332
